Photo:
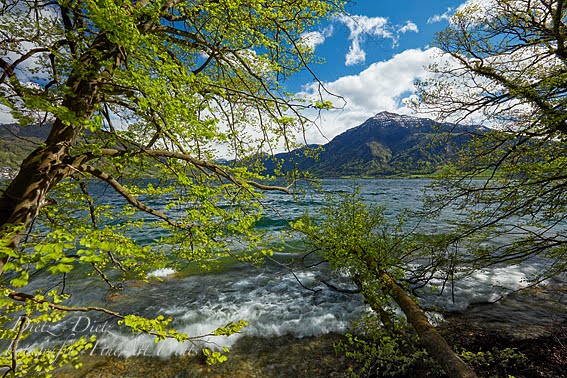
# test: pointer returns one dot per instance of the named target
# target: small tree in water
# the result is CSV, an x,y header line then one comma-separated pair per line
x,y
358,240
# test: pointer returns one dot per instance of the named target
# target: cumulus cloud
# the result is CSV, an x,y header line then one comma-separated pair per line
x,y
409,26
361,26
355,54
481,7
479,4
358,25
441,17
315,38
312,39
384,85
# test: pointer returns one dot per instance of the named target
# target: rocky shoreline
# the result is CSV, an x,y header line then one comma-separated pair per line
x,y
540,337
314,357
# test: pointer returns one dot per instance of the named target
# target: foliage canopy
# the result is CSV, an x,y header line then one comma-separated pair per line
x,y
380,257
131,88
505,63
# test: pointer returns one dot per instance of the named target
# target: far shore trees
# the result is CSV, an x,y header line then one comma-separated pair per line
x,y
131,87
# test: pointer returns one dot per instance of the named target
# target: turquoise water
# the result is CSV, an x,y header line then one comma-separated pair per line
x,y
273,298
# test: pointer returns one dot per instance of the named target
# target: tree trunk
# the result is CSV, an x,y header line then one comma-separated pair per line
x,y
431,339
377,307
433,342
39,173
46,166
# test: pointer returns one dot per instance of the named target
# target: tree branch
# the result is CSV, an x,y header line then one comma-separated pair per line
x,y
217,169
8,70
22,297
21,329
130,198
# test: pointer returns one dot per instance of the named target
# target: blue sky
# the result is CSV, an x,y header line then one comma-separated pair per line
x,y
424,18
373,56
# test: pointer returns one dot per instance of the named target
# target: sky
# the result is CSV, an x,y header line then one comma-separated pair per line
x,y
372,58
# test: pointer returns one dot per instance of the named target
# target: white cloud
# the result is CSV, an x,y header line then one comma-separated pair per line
x,y
480,7
316,38
359,27
480,4
355,55
409,26
5,115
312,39
441,17
384,85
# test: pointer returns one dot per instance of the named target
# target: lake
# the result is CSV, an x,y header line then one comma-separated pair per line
x,y
278,298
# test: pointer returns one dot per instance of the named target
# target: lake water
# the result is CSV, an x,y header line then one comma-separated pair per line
x,y
272,298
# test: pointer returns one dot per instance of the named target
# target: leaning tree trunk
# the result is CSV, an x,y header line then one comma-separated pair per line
x,y
375,305
433,342
431,339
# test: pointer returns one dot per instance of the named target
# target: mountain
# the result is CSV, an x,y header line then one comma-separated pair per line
x,y
386,144
16,143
